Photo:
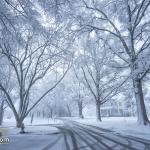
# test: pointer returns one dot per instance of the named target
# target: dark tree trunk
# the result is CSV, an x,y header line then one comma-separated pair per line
x,y
32,117
80,107
98,111
19,122
141,110
1,112
50,112
43,114
69,111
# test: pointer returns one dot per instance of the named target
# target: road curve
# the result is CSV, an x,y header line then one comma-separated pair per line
x,y
77,136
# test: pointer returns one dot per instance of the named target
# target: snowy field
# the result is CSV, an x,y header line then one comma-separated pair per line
x,y
11,122
39,134
40,125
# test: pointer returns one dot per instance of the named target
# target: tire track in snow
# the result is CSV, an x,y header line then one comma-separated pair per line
x,y
52,144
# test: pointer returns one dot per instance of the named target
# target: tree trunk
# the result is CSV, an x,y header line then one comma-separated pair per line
x,y
141,110
98,111
69,111
19,123
32,117
80,107
1,112
50,113
43,114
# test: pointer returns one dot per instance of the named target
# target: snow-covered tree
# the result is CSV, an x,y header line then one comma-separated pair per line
x,y
125,24
100,79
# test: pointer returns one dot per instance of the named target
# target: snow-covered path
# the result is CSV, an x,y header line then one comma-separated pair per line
x,y
94,138
77,136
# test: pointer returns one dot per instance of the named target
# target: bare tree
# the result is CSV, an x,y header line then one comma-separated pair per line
x,y
81,97
131,29
99,78
5,75
30,61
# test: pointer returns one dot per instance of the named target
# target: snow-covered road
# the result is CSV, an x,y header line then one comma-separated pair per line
x,y
91,137
77,136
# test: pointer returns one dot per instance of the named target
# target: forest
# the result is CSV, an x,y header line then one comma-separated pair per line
x,y
72,63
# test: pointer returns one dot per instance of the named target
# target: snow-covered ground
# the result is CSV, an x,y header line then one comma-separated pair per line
x,y
42,132
39,126
11,122
123,125
39,134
